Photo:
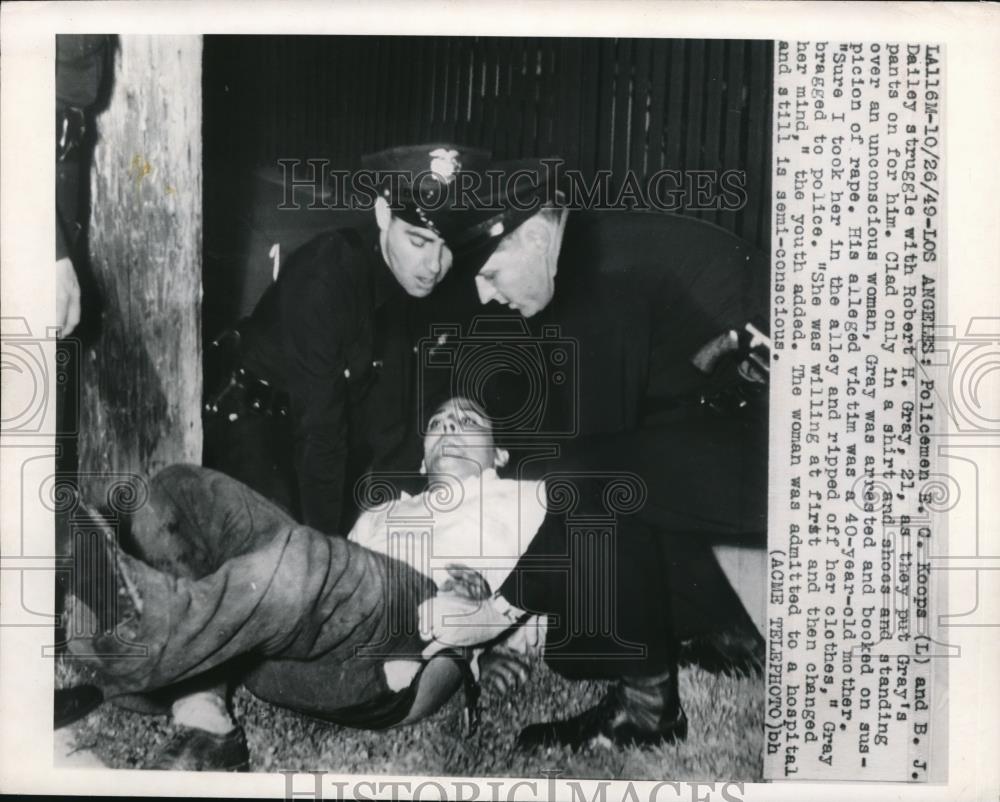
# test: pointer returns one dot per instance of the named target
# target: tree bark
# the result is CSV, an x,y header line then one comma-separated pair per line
x,y
141,378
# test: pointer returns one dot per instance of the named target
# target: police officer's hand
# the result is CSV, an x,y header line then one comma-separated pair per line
x,y
752,369
466,582
707,357
67,297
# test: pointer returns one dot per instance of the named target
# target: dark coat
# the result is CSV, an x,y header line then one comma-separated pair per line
x,y
333,333
637,295
641,294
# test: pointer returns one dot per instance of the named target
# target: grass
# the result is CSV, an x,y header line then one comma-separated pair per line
x,y
725,740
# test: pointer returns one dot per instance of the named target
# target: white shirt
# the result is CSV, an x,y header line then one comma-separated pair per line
x,y
484,523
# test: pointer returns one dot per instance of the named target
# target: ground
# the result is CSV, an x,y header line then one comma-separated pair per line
x,y
725,740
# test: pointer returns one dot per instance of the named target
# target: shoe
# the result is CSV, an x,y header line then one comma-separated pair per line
x,y
72,704
630,714
192,749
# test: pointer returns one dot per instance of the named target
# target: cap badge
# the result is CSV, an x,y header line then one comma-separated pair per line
x,y
444,164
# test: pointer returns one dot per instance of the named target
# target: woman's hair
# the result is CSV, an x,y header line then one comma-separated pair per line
x,y
463,403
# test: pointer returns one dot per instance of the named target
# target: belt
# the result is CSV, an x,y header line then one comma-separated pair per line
x,y
245,393
735,400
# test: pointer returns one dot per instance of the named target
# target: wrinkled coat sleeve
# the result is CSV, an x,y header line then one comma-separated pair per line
x,y
318,308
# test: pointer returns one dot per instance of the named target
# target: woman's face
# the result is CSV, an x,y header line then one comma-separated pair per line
x,y
459,440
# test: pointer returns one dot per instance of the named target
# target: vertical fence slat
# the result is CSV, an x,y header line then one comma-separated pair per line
x,y
765,84
589,89
638,157
757,126
622,70
412,59
605,110
519,52
566,140
450,128
383,97
373,47
693,153
491,112
504,118
549,101
735,103
477,59
658,100
674,132
714,111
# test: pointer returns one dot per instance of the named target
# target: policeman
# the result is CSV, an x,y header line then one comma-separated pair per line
x,y
81,62
669,386
321,390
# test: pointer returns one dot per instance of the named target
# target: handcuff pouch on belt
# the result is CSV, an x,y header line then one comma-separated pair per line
x,y
238,391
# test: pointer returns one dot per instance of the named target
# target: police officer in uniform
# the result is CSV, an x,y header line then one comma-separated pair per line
x,y
315,388
81,65
321,390
667,317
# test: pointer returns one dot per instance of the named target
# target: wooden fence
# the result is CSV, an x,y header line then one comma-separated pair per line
x,y
602,104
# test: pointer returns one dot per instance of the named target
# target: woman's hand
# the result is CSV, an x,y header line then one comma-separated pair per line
x,y
452,620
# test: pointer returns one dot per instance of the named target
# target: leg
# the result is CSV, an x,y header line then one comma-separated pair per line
x,y
197,518
706,480
300,597
574,577
194,521
270,590
714,629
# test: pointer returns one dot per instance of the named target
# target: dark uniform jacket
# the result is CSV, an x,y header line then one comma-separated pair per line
x,y
637,295
333,332
81,62
640,294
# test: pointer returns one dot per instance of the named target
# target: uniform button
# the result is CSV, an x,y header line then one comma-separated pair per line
x,y
347,373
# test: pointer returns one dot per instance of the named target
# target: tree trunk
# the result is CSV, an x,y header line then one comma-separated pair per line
x,y
141,378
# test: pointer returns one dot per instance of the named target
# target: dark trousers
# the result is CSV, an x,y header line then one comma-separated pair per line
x,y
593,568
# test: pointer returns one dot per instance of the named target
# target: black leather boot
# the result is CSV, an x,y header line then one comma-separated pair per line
x,y
637,711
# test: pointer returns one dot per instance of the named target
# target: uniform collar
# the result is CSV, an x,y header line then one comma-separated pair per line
x,y
384,285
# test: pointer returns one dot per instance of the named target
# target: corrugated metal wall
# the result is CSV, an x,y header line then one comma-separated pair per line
x,y
616,104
